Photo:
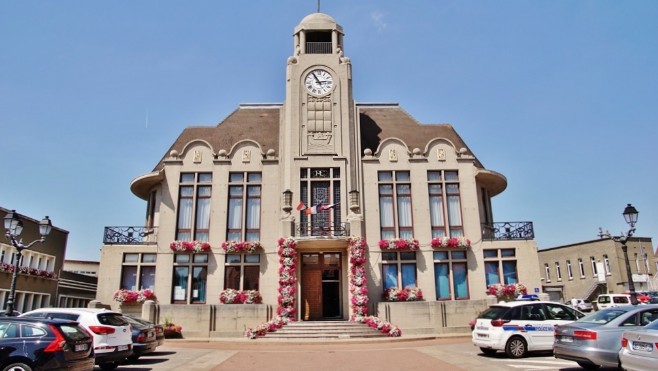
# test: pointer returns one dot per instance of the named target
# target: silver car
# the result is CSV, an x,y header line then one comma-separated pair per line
x,y
595,340
638,349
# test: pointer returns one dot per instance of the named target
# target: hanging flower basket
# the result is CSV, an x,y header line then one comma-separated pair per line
x,y
399,244
189,246
450,242
233,247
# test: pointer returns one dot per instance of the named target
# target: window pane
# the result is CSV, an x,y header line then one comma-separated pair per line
x,y
180,283
407,255
408,275
458,254
236,177
390,274
490,253
130,258
251,274
129,278
509,272
440,255
252,258
491,273
253,178
460,277
442,280
205,178
147,278
384,176
389,256
187,177
507,252
182,258
402,176
235,213
200,258
149,258
433,175
232,278
233,258
451,175
199,275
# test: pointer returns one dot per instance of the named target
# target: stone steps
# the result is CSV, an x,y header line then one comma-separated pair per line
x,y
325,330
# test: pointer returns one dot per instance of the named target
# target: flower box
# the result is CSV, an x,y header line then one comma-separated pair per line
x,y
450,242
190,246
131,296
231,296
406,294
233,247
399,244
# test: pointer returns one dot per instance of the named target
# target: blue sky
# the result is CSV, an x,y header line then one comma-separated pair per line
x,y
559,96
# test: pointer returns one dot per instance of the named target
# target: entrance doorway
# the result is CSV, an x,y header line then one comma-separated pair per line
x,y
320,286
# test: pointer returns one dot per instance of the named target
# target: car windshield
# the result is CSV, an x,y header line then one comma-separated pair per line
x,y
74,332
602,316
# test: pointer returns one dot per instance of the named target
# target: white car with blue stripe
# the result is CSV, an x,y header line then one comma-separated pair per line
x,y
519,327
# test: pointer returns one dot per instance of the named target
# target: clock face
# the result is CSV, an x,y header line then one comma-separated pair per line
x,y
319,82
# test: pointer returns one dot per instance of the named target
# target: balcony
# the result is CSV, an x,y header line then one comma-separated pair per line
x,y
130,235
323,229
318,47
508,231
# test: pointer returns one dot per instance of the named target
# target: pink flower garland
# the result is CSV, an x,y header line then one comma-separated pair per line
x,y
358,282
450,242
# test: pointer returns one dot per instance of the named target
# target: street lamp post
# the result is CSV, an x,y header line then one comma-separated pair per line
x,y
630,215
13,230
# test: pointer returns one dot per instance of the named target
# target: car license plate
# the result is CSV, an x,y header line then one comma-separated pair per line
x,y
483,336
566,339
641,346
122,347
81,347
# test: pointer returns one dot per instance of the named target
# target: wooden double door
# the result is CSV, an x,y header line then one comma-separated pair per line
x,y
320,286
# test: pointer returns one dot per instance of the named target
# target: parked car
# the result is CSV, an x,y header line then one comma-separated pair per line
x,y
143,337
595,339
44,344
639,349
612,300
518,327
159,329
111,333
583,305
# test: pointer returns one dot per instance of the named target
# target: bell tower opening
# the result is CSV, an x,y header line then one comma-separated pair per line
x,y
318,42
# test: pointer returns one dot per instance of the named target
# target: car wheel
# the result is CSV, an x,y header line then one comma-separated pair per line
x,y
516,347
588,366
109,365
17,367
488,352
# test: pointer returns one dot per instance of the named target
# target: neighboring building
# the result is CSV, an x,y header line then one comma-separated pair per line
x,y
76,290
359,170
36,284
586,269
86,267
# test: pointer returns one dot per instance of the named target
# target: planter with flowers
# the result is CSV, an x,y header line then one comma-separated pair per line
x,y
450,242
507,292
130,301
9,268
399,244
381,325
189,246
406,294
171,330
231,296
235,247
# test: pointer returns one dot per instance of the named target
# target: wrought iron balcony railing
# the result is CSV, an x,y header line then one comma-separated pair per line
x,y
318,47
323,229
508,231
130,235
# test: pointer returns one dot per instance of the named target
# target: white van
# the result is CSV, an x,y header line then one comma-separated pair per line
x,y
612,300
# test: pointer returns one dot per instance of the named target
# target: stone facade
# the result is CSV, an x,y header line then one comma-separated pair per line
x,y
322,170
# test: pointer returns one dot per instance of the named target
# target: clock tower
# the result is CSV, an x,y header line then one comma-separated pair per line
x,y
317,124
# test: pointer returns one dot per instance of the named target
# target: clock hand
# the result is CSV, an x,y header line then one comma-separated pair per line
x,y
316,78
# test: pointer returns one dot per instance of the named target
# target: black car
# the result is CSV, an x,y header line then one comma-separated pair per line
x,y
159,329
44,344
144,338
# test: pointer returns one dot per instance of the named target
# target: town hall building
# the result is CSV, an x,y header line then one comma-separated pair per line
x,y
275,203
